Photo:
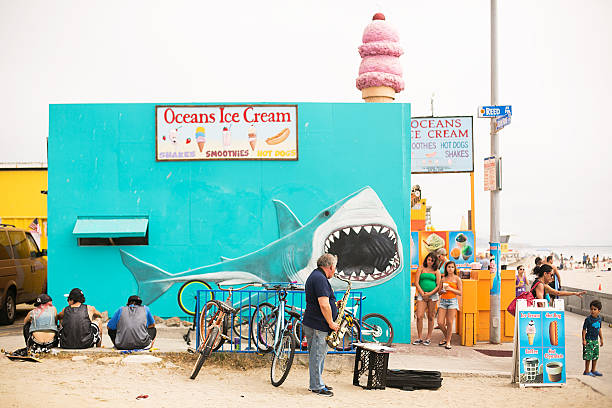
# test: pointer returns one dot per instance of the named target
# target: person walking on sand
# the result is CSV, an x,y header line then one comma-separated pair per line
x,y
319,320
450,287
591,330
521,281
540,288
556,283
427,280
79,331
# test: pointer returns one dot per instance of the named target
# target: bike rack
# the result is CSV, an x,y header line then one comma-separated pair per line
x,y
253,298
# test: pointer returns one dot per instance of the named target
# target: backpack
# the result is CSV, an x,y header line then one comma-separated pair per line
x,y
528,296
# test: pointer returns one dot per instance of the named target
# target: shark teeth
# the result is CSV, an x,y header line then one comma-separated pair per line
x,y
348,240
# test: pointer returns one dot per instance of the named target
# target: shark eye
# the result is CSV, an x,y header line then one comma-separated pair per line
x,y
326,213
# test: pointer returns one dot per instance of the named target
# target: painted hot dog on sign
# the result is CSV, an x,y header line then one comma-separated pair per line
x,y
226,132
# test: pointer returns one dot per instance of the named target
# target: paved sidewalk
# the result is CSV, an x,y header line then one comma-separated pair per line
x,y
459,360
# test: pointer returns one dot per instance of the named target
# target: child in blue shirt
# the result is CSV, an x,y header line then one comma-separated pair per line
x,y
591,331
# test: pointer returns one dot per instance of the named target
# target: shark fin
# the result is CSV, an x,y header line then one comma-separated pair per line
x,y
287,221
152,281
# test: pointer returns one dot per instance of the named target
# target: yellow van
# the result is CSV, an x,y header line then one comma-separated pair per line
x,y
23,270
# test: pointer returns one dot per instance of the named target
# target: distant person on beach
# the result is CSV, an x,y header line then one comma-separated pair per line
x,y
571,262
521,280
132,327
40,324
79,331
320,320
584,259
591,332
556,283
450,287
427,281
540,288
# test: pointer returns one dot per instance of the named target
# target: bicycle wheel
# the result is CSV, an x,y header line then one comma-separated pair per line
x,y
187,294
377,328
205,351
352,335
263,323
283,358
241,321
298,333
210,313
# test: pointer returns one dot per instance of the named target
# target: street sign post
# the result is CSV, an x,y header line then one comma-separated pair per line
x,y
494,111
502,121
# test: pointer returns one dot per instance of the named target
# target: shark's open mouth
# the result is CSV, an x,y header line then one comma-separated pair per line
x,y
365,252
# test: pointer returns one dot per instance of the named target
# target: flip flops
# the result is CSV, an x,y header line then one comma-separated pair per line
x,y
442,343
448,347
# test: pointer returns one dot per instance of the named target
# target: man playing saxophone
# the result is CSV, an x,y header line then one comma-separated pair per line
x,y
319,320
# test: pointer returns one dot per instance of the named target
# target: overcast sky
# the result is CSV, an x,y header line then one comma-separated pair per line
x,y
555,68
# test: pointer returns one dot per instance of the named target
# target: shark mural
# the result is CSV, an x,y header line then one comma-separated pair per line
x,y
358,229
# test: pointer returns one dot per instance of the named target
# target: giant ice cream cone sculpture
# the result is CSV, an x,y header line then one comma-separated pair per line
x,y
380,73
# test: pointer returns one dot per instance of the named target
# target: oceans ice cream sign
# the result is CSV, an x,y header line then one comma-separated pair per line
x,y
226,132
442,144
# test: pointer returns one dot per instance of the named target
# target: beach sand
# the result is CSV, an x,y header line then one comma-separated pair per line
x,y
61,382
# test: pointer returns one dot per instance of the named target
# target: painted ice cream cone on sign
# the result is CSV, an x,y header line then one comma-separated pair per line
x,y
201,137
380,72
530,331
252,137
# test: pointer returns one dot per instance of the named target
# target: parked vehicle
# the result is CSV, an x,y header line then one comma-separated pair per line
x,y
23,270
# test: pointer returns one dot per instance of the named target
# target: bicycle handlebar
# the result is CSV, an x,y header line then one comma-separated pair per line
x,y
230,289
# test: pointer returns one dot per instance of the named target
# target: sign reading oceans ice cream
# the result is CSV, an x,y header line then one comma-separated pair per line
x,y
226,132
442,144
539,350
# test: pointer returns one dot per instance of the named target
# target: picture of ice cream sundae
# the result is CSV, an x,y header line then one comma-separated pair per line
x,y
173,135
461,240
433,243
252,137
227,137
531,332
200,137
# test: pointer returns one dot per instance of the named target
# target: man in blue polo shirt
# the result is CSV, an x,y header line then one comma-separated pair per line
x,y
132,327
318,321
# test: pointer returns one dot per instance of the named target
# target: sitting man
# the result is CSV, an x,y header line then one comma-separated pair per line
x,y
40,328
79,331
132,327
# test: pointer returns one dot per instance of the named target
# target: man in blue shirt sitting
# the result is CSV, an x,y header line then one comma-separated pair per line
x,y
132,327
319,316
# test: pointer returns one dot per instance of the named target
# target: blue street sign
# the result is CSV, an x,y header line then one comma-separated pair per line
x,y
493,111
502,121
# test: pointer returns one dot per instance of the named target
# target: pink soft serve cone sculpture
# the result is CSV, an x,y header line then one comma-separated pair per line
x,y
380,72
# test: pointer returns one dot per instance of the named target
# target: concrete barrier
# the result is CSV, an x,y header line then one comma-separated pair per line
x,y
580,306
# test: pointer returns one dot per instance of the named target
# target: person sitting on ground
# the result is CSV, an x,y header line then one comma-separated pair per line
x,y
540,288
132,327
79,331
40,324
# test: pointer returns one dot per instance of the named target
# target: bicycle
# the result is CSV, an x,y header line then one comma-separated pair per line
x,y
284,339
374,327
214,326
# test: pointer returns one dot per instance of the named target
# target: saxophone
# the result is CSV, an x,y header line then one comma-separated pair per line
x,y
345,322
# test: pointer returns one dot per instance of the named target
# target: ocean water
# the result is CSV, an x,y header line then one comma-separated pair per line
x,y
567,251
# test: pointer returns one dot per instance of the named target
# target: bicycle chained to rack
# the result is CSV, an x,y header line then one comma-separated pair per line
x,y
215,325
273,332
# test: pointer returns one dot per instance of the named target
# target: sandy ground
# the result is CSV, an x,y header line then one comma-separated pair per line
x,y
63,382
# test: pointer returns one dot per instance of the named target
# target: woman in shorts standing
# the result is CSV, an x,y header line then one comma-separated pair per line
x,y
450,287
427,280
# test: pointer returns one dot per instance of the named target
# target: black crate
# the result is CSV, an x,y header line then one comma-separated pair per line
x,y
370,369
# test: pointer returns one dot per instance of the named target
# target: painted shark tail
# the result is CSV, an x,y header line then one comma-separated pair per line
x,y
152,281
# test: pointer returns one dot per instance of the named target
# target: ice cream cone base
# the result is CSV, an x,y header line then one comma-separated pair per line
x,y
378,94
253,143
530,338
201,146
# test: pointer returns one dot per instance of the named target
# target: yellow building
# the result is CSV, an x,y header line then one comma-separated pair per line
x,y
21,200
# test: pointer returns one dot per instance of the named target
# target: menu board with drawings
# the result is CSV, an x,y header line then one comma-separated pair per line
x,y
539,344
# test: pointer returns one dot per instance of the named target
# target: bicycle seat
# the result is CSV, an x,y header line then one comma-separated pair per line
x,y
291,312
226,308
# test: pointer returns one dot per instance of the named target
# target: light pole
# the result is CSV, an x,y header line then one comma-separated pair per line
x,y
494,316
